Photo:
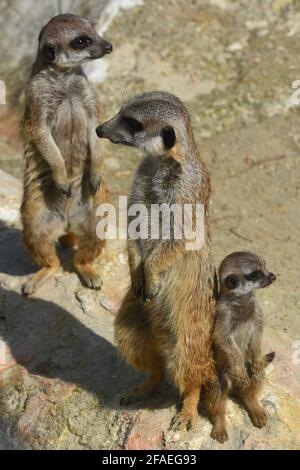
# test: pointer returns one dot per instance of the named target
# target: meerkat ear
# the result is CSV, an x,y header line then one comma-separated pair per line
x,y
231,281
49,54
168,136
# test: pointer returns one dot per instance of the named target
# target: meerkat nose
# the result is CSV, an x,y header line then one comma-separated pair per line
x,y
99,131
272,277
108,47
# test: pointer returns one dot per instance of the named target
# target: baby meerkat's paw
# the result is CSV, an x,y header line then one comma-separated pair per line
x,y
239,376
259,417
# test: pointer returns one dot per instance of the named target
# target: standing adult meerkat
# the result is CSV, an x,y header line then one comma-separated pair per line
x,y
165,322
237,339
62,178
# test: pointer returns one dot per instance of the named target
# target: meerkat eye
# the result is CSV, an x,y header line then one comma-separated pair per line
x,y
255,275
132,124
81,42
231,282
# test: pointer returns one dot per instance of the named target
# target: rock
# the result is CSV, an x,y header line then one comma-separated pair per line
x,y
234,47
86,301
255,25
146,433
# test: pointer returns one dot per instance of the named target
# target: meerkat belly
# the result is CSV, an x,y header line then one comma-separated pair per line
x,y
183,306
70,132
242,336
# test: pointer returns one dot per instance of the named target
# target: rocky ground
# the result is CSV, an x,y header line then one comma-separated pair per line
x,y
233,63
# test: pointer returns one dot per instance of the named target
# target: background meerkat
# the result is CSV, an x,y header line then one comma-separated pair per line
x,y
62,178
165,322
237,339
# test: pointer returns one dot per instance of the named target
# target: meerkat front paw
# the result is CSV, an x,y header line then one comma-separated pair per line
x,y
65,189
95,183
239,376
256,367
137,286
151,290
62,183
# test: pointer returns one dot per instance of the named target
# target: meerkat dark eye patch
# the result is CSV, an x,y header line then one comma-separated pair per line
x,y
168,136
132,125
255,275
49,53
231,282
81,42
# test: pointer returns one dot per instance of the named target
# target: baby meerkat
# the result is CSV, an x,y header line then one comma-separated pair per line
x,y
165,322
237,339
62,178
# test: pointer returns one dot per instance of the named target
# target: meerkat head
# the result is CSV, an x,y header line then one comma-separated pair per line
x,y
68,41
242,271
156,122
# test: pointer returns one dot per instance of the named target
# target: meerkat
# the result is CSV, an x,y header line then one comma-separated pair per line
x,y
165,322
237,339
62,177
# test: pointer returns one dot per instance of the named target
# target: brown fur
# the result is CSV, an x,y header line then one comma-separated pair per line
x,y
237,340
62,178
165,322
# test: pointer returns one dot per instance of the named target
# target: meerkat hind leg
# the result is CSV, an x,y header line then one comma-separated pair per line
x,y
184,419
39,278
257,413
88,251
44,253
216,404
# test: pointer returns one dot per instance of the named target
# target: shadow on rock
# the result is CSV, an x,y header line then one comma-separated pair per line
x,y
50,342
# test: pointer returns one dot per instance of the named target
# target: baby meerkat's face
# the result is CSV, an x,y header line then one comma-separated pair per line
x,y
241,272
148,122
69,40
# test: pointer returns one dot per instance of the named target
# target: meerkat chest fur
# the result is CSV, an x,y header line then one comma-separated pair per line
x,y
166,184
68,105
243,318
184,303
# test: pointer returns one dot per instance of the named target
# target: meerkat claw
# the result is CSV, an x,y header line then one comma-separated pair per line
x,y
66,190
95,186
181,422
